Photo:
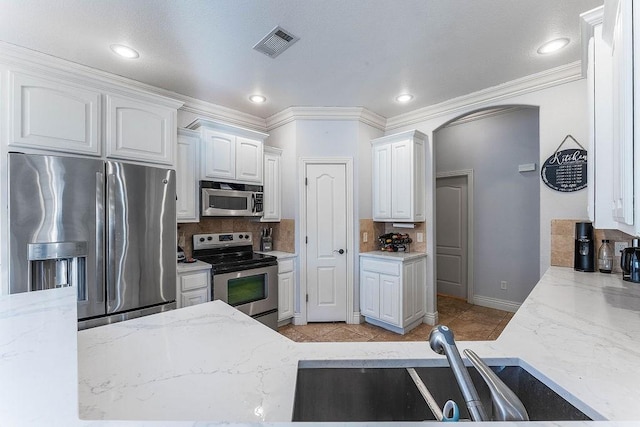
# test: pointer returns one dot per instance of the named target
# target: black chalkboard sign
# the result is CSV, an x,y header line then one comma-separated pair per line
x,y
565,170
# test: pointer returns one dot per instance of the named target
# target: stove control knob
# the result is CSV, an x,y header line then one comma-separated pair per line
x,y
240,236
246,236
209,238
202,239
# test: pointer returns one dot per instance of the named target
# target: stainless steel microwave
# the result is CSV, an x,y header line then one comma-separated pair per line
x,y
228,199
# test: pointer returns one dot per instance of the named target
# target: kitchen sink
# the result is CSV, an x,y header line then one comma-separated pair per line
x,y
346,393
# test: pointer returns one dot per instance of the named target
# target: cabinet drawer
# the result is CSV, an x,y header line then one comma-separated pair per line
x,y
194,281
378,266
285,265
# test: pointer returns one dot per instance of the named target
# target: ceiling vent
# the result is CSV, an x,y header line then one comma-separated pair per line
x,y
276,42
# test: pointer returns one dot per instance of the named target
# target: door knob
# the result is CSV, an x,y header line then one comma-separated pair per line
x,y
340,251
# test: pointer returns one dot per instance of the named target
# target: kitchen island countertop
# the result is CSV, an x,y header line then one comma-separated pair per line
x,y
578,332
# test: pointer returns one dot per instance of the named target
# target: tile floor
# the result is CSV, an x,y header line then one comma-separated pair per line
x,y
468,322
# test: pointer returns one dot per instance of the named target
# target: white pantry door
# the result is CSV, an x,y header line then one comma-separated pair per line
x,y
326,207
451,236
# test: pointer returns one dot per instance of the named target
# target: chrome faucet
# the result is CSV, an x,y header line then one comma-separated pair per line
x,y
441,341
506,405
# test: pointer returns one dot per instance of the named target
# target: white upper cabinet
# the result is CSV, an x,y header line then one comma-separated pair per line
x,y
398,177
272,185
218,155
139,130
230,153
79,115
48,114
614,183
249,160
186,176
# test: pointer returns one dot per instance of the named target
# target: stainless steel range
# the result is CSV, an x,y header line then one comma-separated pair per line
x,y
243,279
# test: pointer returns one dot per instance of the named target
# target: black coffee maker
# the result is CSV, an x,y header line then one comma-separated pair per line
x,y
630,262
584,251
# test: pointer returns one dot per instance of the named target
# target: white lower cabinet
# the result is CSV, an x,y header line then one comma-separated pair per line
x,y
286,286
393,290
193,285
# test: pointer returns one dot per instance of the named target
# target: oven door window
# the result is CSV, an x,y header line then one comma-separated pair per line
x,y
229,203
243,290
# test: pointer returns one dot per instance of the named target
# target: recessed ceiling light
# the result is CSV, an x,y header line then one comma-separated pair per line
x,y
405,97
257,99
553,46
125,51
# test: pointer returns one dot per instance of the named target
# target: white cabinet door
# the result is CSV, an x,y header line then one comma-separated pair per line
x,y
370,294
390,297
187,179
138,130
401,180
218,155
272,186
623,210
382,182
189,298
398,177
249,160
414,283
51,115
285,295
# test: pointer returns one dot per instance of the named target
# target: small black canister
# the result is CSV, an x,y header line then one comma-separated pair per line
x,y
584,249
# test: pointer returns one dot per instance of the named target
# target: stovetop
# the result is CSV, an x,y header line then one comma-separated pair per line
x,y
229,252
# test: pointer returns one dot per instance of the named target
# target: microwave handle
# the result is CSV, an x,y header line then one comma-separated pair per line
x,y
253,202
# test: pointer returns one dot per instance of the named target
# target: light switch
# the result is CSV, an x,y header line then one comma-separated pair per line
x,y
365,237
420,237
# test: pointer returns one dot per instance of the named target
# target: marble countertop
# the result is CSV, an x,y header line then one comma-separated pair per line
x,y
278,254
393,255
184,267
578,332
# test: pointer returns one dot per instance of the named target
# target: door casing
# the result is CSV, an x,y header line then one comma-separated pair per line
x,y
350,316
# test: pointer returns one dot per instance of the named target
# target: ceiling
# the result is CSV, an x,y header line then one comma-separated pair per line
x,y
351,52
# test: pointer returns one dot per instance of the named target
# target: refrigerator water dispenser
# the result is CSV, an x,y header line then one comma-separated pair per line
x,y
58,265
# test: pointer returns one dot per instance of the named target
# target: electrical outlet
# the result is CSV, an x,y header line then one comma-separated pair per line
x,y
503,285
365,237
620,246
419,237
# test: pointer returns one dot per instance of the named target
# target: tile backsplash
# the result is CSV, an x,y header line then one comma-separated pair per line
x,y
283,231
563,238
375,229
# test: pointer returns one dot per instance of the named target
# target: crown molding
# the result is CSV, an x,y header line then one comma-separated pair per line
x,y
588,20
84,75
487,97
219,113
48,65
360,114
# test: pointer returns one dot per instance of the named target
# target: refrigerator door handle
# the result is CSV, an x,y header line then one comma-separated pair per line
x,y
99,236
111,240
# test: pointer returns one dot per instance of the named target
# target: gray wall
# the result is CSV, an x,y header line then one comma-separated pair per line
x,y
506,202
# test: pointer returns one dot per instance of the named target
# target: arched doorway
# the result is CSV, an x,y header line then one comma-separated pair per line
x,y
487,207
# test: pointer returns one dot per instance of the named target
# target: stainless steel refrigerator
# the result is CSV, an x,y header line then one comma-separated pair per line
x,y
106,227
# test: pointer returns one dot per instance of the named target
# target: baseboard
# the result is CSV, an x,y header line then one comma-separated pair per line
x,y
356,318
298,320
431,318
498,304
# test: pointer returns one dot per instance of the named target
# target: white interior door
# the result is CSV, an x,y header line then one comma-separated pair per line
x,y
326,208
452,235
